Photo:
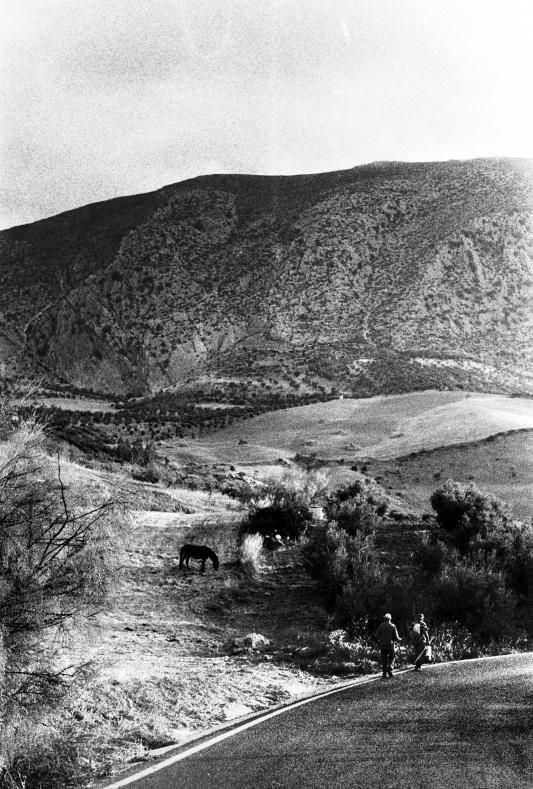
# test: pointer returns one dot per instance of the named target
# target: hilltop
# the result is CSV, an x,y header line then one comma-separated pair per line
x,y
385,278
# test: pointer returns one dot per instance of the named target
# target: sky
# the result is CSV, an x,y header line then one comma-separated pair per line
x,y
100,98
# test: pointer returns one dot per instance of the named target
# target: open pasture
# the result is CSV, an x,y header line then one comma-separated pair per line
x,y
376,427
501,465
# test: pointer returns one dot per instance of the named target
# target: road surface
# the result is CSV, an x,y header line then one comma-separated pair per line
x,y
463,725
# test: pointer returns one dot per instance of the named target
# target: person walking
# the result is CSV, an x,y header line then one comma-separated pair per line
x,y
387,635
420,641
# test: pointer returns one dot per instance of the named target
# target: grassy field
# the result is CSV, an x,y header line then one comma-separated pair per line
x,y
160,670
501,464
74,404
377,427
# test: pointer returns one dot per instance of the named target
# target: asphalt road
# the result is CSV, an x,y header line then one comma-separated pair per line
x,y
465,725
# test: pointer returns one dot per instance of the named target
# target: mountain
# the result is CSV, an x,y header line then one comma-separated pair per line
x,y
383,278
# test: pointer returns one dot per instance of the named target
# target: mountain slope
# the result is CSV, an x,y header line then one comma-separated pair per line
x,y
384,278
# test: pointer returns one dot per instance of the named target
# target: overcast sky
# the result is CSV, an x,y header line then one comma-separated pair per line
x,y
100,98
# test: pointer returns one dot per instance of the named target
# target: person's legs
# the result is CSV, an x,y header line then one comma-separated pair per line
x,y
384,661
390,662
419,655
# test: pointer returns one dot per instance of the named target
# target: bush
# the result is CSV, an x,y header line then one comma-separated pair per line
x,y
357,507
429,557
149,474
344,565
283,507
43,761
251,554
452,641
476,597
55,565
467,514
480,568
289,520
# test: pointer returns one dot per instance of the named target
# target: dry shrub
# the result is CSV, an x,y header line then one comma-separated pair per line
x,y
58,562
40,756
251,554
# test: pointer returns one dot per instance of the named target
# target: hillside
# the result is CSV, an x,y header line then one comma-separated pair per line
x,y
410,443
359,429
381,279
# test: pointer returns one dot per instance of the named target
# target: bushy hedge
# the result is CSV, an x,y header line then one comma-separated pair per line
x,y
469,515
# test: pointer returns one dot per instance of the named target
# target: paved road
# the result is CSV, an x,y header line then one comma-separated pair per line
x,y
458,726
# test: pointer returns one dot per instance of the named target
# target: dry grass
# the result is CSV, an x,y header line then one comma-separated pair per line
x,y
376,427
501,465
251,556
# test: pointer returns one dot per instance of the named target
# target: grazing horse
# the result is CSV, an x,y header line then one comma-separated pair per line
x,y
198,552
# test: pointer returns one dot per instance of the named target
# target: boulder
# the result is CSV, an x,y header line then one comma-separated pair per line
x,y
235,710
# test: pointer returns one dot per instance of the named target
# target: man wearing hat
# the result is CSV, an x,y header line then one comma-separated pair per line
x,y
387,636
420,641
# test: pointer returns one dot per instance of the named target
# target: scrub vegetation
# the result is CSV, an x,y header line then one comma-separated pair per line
x,y
470,570
56,563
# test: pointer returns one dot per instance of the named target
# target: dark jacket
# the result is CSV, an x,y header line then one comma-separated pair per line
x,y
387,634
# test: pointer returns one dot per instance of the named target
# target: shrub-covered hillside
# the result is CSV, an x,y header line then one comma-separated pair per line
x,y
383,278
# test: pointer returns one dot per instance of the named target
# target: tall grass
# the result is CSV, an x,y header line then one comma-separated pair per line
x,y
251,556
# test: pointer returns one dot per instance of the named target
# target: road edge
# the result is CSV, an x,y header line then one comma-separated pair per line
x,y
226,730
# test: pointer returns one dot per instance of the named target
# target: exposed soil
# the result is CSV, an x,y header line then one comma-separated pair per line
x,y
163,673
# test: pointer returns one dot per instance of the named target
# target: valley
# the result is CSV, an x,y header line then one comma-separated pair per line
x,y
160,649
193,346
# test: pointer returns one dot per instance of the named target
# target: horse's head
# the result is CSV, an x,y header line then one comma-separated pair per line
x,y
215,561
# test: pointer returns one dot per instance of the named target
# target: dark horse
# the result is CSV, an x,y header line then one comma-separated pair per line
x,y
198,552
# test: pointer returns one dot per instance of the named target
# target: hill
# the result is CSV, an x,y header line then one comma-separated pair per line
x,y
385,278
410,443
359,429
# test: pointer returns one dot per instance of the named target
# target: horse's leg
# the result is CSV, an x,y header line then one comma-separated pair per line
x,y
181,561
202,568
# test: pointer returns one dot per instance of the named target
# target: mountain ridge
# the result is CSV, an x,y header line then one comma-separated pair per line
x,y
386,277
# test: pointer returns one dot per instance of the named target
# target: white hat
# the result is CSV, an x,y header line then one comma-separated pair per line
x,y
387,616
